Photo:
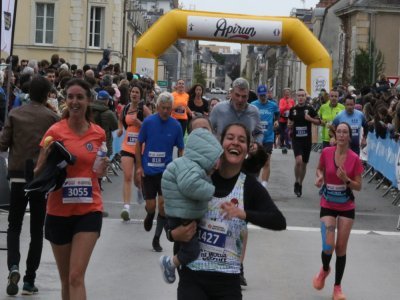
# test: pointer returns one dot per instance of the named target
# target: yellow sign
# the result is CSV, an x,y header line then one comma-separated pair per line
x,y
233,28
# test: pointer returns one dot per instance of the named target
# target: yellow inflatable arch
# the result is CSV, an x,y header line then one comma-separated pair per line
x,y
233,28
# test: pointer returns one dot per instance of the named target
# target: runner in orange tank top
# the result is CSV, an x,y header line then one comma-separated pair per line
x,y
180,108
133,122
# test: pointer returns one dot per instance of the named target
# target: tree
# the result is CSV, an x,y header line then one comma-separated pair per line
x,y
199,75
368,66
219,58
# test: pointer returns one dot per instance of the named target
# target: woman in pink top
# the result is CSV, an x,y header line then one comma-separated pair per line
x,y
338,173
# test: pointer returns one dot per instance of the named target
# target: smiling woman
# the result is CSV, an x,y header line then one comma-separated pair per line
x,y
238,199
74,212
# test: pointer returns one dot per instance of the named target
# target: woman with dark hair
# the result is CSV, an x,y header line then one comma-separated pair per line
x,y
238,199
131,119
74,212
338,174
196,102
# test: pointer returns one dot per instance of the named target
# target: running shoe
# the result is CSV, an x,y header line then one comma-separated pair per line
x,y
125,215
148,221
319,279
13,279
299,190
168,271
156,245
284,150
337,293
29,289
296,188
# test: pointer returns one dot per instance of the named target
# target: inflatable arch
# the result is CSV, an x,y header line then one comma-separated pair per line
x,y
233,28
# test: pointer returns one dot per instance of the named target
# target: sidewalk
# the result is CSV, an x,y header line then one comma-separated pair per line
x,y
278,265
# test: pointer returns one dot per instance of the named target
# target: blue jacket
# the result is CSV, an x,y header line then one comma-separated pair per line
x,y
185,185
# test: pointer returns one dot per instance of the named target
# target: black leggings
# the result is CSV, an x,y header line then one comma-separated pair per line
x,y
184,124
201,285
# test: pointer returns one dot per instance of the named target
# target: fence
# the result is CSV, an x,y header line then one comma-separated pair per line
x,y
383,158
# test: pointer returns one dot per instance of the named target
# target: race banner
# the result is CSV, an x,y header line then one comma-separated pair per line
x,y
383,156
8,9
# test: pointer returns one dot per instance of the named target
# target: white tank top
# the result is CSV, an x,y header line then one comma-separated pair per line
x,y
221,240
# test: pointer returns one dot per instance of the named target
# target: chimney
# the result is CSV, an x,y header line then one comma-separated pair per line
x,y
326,3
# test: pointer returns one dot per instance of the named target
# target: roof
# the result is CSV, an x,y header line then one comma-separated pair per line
x,y
380,5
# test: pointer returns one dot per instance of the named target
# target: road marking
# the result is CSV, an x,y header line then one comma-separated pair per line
x,y
316,229
289,228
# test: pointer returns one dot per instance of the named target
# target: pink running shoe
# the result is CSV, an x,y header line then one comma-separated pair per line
x,y
319,279
337,293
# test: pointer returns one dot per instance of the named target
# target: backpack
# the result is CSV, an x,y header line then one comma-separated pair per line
x,y
140,114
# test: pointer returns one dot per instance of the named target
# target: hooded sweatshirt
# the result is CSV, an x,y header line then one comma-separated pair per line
x,y
186,187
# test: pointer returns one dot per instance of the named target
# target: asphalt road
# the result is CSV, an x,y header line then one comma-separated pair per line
x,y
373,212
278,265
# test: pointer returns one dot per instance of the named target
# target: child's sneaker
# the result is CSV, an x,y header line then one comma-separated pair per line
x,y
167,269
125,214
337,293
29,289
319,279
13,279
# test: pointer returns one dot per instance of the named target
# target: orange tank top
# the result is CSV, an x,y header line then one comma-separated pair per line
x,y
179,109
131,134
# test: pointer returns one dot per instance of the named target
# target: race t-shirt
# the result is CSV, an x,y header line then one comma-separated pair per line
x,y
267,112
327,113
80,193
160,137
301,127
352,166
356,120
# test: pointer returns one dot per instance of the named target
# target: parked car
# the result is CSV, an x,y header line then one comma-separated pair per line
x,y
218,90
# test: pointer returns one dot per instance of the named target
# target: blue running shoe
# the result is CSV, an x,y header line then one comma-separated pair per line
x,y
167,269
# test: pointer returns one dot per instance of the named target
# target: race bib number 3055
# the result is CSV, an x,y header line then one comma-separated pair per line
x,y
77,190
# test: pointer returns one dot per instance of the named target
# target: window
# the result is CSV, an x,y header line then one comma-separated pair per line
x,y
96,26
44,23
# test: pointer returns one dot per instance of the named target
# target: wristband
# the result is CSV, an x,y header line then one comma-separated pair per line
x,y
348,182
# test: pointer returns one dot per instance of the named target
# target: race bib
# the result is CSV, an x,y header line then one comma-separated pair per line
x,y
132,138
77,190
264,125
156,159
335,193
354,130
301,131
180,110
212,234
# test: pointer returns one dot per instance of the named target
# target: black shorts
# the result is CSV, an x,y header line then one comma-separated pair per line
x,y
128,154
336,213
60,230
302,148
152,186
268,147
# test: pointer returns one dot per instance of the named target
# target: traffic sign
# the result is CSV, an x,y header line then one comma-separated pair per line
x,y
393,80
162,83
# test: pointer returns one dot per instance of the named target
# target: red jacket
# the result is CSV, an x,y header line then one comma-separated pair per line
x,y
284,107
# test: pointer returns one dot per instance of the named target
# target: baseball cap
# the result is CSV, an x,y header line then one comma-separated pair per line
x,y
262,89
103,95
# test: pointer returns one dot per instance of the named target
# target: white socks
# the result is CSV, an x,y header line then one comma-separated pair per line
x,y
126,206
